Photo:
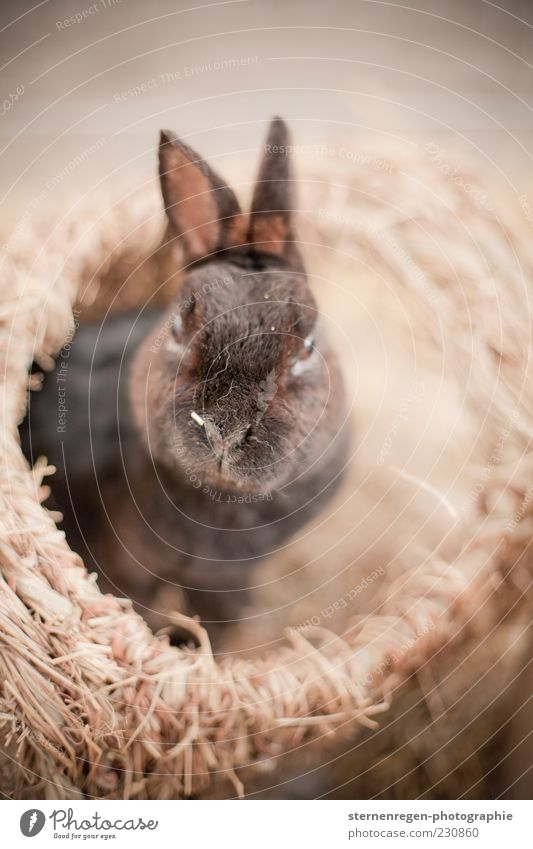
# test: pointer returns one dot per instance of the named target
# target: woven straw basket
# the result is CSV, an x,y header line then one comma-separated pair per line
x,y
93,704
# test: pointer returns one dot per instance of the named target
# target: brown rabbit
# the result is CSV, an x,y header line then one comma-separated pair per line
x,y
199,439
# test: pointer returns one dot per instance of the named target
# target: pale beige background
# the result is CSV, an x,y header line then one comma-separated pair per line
x,y
450,70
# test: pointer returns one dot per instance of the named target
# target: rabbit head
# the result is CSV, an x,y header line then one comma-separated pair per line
x,y
236,388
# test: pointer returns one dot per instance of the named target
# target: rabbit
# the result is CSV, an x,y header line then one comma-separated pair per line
x,y
200,438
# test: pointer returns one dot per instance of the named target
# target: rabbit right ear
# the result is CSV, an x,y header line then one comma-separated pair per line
x,y
203,211
271,219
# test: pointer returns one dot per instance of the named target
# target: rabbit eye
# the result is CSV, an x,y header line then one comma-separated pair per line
x,y
306,360
177,328
174,342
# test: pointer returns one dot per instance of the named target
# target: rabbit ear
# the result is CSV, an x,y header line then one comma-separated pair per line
x,y
271,218
201,208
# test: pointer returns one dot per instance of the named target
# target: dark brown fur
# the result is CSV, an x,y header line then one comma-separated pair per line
x,y
151,494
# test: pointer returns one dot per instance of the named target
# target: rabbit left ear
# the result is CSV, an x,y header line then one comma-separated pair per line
x,y
203,211
273,202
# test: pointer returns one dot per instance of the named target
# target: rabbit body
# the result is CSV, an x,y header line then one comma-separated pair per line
x,y
198,440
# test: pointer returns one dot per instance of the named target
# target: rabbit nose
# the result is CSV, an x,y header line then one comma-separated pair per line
x,y
219,443
222,444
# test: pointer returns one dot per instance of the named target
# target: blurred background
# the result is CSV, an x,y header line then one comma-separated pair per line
x,y
92,83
